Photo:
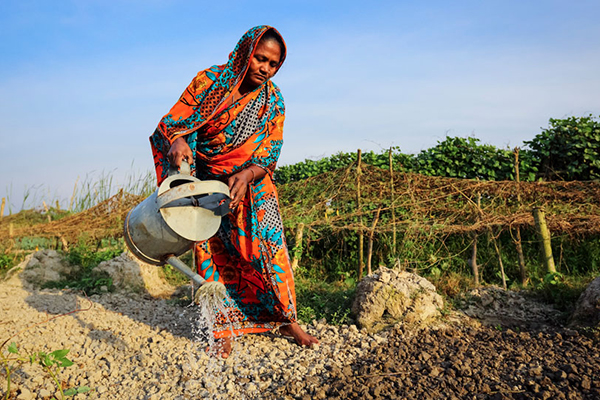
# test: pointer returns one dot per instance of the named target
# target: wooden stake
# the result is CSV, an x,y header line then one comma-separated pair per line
x,y
370,245
392,205
499,254
47,211
361,239
297,246
517,241
2,207
521,257
473,260
65,245
544,237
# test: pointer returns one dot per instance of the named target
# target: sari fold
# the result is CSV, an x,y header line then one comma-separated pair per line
x,y
248,254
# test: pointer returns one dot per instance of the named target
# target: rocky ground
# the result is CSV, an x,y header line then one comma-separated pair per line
x,y
135,346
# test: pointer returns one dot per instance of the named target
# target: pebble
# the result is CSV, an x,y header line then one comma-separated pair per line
x,y
25,394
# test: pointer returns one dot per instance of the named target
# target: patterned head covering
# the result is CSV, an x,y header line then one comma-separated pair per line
x,y
212,86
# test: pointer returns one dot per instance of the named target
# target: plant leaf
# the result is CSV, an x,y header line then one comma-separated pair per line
x,y
60,353
12,348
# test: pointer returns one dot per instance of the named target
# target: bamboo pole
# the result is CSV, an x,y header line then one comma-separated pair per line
x,y
473,259
392,204
297,252
518,242
370,245
361,239
47,211
499,254
2,207
544,237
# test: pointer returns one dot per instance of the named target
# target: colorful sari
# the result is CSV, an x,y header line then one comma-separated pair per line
x,y
248,254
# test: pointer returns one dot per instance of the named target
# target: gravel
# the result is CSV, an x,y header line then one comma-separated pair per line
x,y
137,347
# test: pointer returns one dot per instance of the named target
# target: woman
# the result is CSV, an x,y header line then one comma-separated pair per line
x,y
229,124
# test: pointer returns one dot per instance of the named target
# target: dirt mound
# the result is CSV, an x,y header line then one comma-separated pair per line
x,y
130,274
388,296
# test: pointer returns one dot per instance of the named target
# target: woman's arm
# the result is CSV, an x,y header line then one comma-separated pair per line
x,y
238,183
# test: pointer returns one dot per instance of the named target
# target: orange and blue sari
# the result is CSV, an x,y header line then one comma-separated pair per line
x,y
249,253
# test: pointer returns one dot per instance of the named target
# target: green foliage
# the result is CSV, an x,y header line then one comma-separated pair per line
x,y
7,261
321,300
466,158
454,157
32,243
75,391
569,149
88,257
309,168
173,276
51,363
57,358
560,290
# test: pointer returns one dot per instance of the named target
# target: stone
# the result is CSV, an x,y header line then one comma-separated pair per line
x,y
400,296
587,309
25,394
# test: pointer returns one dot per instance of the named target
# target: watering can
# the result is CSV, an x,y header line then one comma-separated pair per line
x,y
182,211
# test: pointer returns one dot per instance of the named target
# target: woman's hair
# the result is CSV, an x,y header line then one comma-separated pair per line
x,y
272,34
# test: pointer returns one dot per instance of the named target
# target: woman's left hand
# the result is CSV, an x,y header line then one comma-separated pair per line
x,y
238,186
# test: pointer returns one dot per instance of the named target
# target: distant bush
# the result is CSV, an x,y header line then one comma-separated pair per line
x,y
569,149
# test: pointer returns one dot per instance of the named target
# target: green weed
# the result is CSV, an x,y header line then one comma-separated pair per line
x,y
51,362
318,300
560,290
87,257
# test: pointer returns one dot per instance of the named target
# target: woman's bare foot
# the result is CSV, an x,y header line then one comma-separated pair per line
x,y
221,348
301,337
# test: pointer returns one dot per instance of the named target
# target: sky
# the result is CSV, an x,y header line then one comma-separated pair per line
x,y
84,83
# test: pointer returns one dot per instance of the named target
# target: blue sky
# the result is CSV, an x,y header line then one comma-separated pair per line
x,y
84,83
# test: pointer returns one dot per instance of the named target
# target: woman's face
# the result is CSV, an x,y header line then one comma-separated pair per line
x,y
263,64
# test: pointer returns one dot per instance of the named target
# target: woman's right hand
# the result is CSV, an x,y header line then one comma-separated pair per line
x,y
180,150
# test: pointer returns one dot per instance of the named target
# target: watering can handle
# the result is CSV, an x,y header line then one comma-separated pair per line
x,y
184,169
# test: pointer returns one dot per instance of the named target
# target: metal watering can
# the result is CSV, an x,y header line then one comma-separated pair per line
x,y
182,211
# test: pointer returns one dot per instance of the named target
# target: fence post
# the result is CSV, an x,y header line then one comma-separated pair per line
x,y
361,239
544,236
370,246
392,204
473,259
2,207
499,254
297,246
518,241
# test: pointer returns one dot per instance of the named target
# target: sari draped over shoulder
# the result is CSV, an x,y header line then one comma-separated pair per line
x,y
248,254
